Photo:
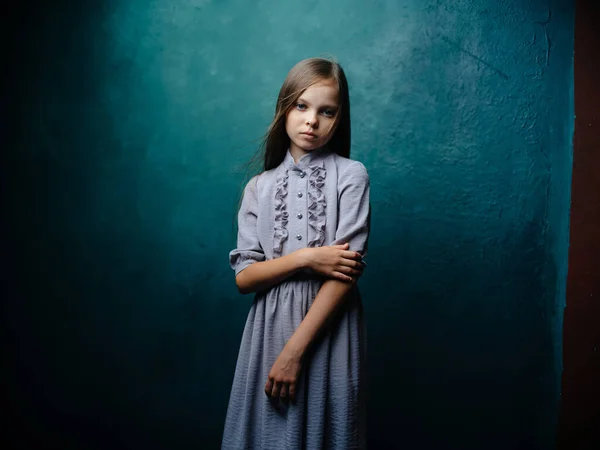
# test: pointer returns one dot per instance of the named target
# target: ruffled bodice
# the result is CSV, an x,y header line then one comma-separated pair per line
x,y
281,215
322,199
310,165
317,204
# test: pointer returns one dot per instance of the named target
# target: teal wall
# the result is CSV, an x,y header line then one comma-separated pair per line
x,y
129,128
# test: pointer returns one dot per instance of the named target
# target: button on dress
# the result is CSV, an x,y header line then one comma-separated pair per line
x,y
321,200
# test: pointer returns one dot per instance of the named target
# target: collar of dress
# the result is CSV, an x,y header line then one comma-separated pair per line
x,y
312,160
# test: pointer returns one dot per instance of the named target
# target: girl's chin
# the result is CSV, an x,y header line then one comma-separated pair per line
x,y
306,146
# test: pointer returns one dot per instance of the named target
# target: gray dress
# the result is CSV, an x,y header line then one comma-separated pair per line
x,y
321,200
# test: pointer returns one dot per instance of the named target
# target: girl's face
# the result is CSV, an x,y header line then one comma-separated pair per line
x,y
310,123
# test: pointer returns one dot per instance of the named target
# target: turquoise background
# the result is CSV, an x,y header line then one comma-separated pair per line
x,y
131,125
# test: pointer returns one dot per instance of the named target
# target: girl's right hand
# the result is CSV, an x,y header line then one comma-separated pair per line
x,y
334,261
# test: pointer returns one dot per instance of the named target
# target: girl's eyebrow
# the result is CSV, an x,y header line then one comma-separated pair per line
x,y
301,100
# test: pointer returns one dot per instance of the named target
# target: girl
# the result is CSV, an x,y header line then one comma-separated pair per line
x,y
303,228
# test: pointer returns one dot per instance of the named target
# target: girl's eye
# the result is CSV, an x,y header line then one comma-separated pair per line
x,y
327,112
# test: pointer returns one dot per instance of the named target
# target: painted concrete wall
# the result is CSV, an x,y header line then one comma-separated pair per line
x,y
129,128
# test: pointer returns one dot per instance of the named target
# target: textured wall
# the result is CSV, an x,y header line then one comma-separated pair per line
x,y
129,128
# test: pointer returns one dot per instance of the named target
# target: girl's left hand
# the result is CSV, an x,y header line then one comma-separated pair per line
x,y
284,376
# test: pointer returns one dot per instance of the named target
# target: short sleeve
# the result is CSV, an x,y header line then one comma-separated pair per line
x,y
248,249
354,208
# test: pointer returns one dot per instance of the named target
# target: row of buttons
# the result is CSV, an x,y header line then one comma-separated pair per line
x,y
299,215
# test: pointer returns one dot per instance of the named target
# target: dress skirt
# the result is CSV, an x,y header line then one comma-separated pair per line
x,y
329,412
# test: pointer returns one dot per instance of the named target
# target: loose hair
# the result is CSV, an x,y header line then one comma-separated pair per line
x,y
304,74
275,142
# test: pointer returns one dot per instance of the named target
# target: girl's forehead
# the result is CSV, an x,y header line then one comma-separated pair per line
x,y
322,91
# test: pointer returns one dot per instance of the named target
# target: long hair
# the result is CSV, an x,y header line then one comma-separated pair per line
x,y
303,75
275,143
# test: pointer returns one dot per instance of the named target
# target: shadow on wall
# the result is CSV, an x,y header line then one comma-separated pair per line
x,y
462,352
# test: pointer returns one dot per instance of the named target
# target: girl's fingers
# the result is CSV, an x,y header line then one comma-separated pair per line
x,y
349,271
284,391
341,276
292,392
276,389
269,387
345,270
355,256
351,263
341,246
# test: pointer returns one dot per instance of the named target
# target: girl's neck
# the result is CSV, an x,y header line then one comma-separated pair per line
x,y
298,153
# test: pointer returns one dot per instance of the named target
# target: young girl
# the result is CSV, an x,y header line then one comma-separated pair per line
x,y
303,228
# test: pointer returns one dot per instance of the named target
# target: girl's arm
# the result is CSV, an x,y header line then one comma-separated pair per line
x,y
284,373
353,228
330,297
264,274
331,261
